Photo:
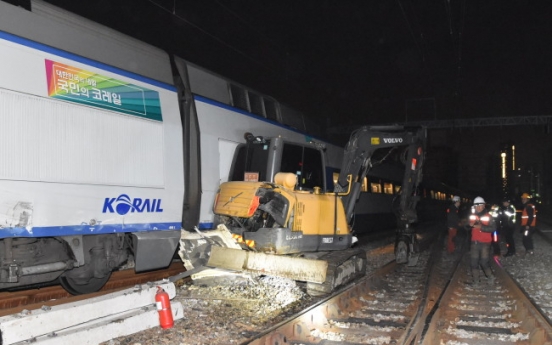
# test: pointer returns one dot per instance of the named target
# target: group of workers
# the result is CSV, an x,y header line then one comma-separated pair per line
x,y
485,224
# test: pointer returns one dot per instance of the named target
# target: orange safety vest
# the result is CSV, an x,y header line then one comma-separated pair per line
x,y
485,219
525,216
477,234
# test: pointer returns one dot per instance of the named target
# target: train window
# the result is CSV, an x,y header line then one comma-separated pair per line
x,y
270,108
239,97
397,189
388,188
250,158
256,104
364,186
432,194
375,187
335,177
306,162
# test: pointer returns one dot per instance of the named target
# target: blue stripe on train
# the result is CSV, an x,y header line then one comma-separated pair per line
x,y
205,226
85,229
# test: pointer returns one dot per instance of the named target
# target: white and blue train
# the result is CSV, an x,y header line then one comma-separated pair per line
x,y
110,147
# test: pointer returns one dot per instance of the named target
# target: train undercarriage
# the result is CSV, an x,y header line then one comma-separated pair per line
x,y
81,264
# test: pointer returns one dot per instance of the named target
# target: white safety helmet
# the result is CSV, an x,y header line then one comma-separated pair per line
x,y
455,199
478,201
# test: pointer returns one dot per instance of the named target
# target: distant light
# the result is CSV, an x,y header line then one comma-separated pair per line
x,y
503,164
513,157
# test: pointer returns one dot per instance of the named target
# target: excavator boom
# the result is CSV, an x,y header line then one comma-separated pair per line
x,y
358,161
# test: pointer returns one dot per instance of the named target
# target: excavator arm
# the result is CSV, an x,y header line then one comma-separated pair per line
x,y
358,160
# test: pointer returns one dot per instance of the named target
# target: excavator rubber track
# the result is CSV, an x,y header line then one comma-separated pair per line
x,y
343,267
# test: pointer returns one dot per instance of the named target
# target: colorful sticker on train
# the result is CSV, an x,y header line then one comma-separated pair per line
x,y
84,87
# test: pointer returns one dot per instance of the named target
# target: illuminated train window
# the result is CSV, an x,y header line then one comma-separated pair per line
x,y
388,188
364,187
375,187
335,176
397,189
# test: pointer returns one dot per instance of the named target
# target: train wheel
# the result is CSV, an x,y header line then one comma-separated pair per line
x,y
71,286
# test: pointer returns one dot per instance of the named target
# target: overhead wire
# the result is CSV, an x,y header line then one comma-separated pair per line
x,y
420,49
277,73
266,39
246,23
422,40
278,46
449,15
213,36
461,28
460,38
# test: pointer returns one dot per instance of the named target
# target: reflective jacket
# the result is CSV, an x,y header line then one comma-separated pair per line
x,y
528,215
507,216
483,224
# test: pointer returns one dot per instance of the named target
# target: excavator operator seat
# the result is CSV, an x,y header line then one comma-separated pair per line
x,y
287,180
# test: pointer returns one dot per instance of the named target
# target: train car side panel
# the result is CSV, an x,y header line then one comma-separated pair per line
x,y
92,162
65,128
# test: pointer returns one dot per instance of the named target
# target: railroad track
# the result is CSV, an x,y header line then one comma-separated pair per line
x,y
496,312
428,304
387,307
15,302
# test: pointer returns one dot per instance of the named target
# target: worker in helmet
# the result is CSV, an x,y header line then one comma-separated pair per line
x,y
453,222
506,220
528,223
482,225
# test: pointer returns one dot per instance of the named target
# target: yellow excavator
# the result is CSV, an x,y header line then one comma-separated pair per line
x,y
272,228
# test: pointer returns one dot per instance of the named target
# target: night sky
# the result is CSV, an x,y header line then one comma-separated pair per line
x,y
357,60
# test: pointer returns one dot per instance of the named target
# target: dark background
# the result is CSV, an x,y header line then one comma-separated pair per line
x,y
372,62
